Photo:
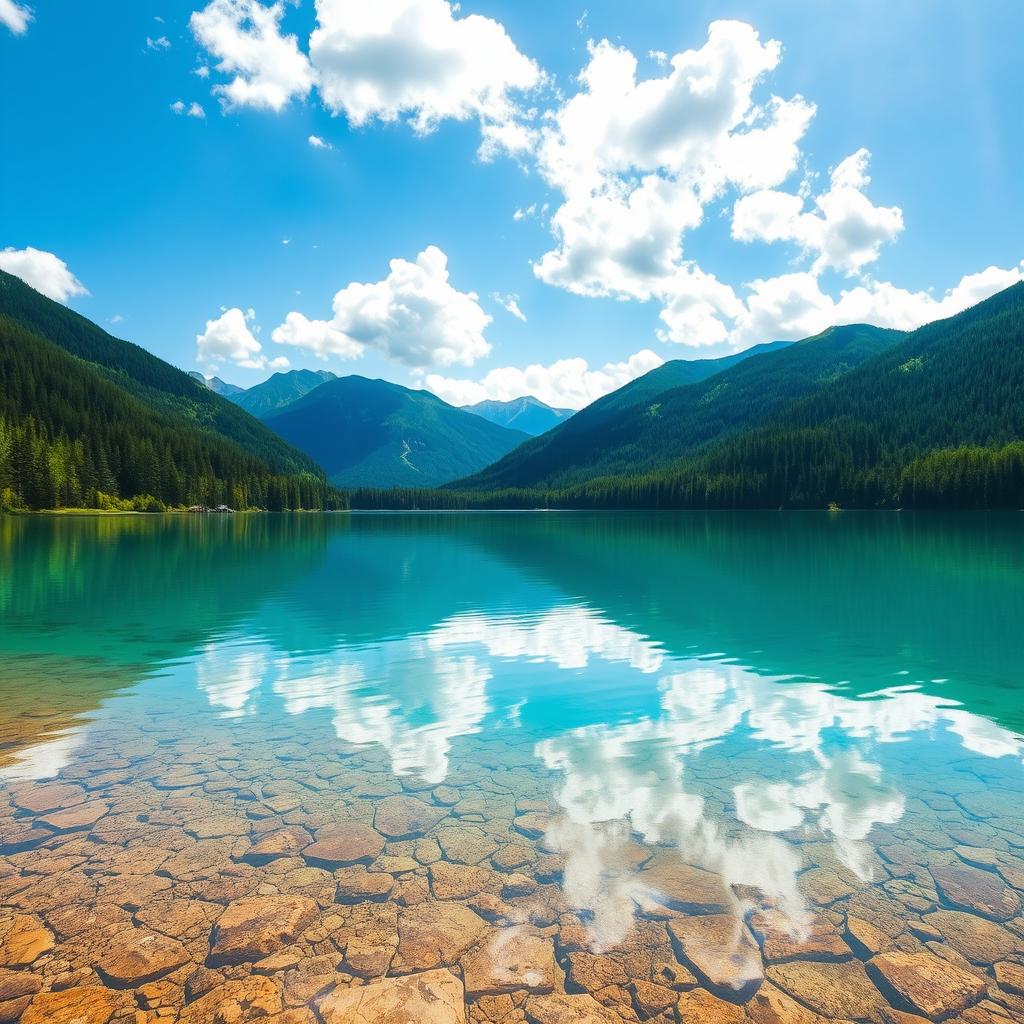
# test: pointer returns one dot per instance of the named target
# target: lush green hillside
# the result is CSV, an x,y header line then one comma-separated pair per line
x,y
86,418
279,391
377,434
936,421
528,414
646,429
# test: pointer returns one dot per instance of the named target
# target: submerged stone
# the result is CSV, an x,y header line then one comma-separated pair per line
x,y
434,997
721,951
926,984
256,926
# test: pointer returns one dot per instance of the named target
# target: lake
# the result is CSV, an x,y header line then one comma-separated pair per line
x,y
550,767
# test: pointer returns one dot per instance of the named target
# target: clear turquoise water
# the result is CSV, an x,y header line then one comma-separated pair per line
x,y
741,688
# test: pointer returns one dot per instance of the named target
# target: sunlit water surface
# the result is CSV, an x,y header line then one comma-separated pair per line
x,y
698,767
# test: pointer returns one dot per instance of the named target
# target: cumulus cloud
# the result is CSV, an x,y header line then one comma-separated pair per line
x,y
795,306
316,336
415,315
416,59
638,160
846,233
387,61
192,109
245,38
565,384
317,143
44,271
160,43
229,338
15,16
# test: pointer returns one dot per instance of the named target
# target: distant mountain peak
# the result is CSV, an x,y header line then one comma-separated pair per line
x,y
281,389
525,413
216,385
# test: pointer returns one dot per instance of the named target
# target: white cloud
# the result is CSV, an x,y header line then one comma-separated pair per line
x,y
160,43
15,16
510,303
116,318
44,271
245,37
414,315
638,160
316,336
193,109
229,338
566,384
317,143
846,233
416,59
795,306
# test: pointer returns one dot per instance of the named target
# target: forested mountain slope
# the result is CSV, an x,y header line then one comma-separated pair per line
x,y
372,433
279,391
86,419
612,437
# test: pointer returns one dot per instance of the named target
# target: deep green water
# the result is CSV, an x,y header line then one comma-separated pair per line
x,y
741,687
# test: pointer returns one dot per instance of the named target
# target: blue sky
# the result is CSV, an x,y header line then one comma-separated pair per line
x,y
671,210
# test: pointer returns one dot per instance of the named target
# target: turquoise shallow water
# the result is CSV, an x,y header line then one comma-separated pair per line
x,y
820,714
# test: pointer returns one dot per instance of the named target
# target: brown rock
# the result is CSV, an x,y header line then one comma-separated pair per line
x,y
405,817
52,797
457,881
837,991
12,1009
246,999
285,842
435,934
979,940
356,884
682,886
925,984
591,972
651,1000
87,1004
1010,977
721,951
435,997
701,1007
865,939
25,941
15,984
532,825
781,939
580,1009
347,843
513,958
75,818
136,955
770,1005
254,927
983,892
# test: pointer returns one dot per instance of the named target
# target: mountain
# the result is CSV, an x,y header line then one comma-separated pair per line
x,y
372,433
641,429
83,413
527,414
280,390
935,421
675,373
217,385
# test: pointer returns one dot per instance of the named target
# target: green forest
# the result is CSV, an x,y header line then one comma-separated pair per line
x,y
88,421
